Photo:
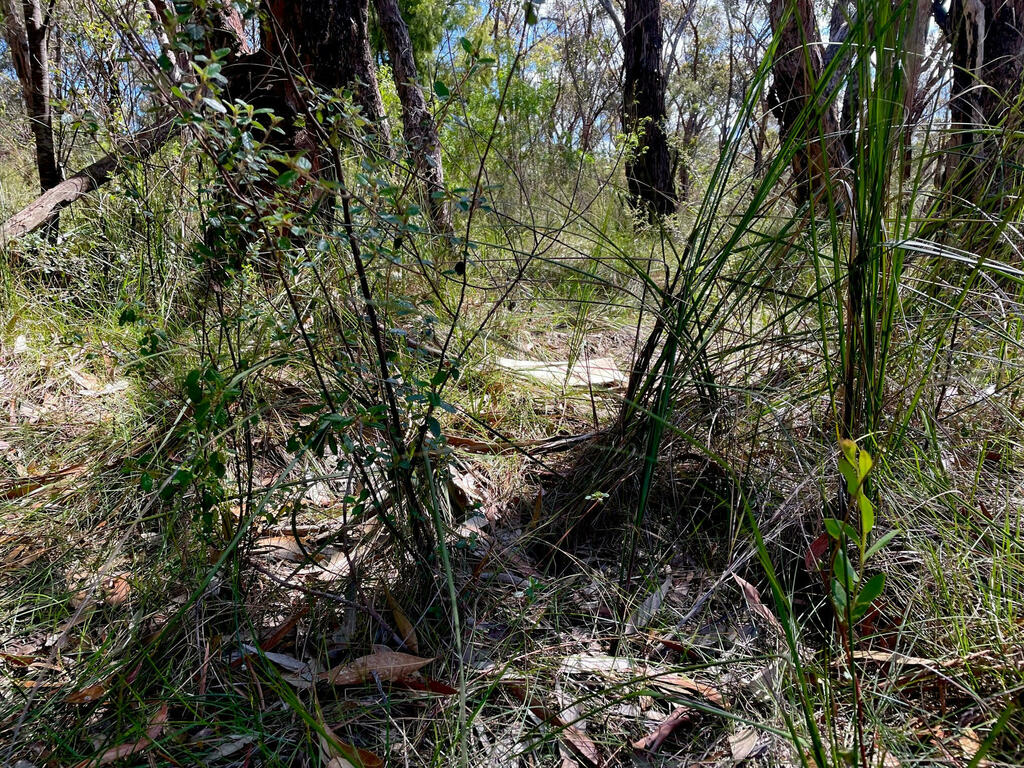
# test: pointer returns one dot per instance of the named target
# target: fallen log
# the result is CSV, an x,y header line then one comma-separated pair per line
x,y
140,146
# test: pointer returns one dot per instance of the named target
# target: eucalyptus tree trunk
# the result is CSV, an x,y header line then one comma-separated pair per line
x,y
418,124
648,167
28,45
330,39
809,123
913,65
985,154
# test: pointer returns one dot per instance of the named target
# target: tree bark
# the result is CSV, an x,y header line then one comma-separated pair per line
x,y
28,45
913,64
914,52
420,130
648,168
39,109
331,41
609,9
987,38
809,124
328,39
17,42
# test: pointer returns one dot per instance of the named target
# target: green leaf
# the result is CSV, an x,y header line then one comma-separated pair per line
x,y
867,514
441,90
878,545
864,464
838,596
849,449
871,590
192,387
851,532
215,105
850,475
843,570
287,178
834,528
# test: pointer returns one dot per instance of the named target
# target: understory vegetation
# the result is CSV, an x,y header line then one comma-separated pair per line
x,y
312,454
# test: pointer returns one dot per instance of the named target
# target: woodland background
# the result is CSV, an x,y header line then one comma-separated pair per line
x,y
395,382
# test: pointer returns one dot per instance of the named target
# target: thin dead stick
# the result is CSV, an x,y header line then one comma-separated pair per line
x,y
368,609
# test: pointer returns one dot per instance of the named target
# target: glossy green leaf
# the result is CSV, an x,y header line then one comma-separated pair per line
x,y
215,105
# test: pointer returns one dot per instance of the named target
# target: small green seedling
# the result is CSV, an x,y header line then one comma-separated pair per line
x,y
851,596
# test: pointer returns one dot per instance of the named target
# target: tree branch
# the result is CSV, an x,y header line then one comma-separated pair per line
x,y
139,147
610,10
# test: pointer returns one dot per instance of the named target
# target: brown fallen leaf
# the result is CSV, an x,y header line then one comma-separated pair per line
x,y
674,645
743,744
614,667
283,547
462,489
387,665
18,660
654,739
919,667
405,628
22,556
753,598
675,683
969,743
538,510
116,591
15,490
341,754
28,684
429,686
156,727
648,609
87,694
277,635
579,741
22,486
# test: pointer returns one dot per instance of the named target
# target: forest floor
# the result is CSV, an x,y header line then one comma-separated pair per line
x,y
286,635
